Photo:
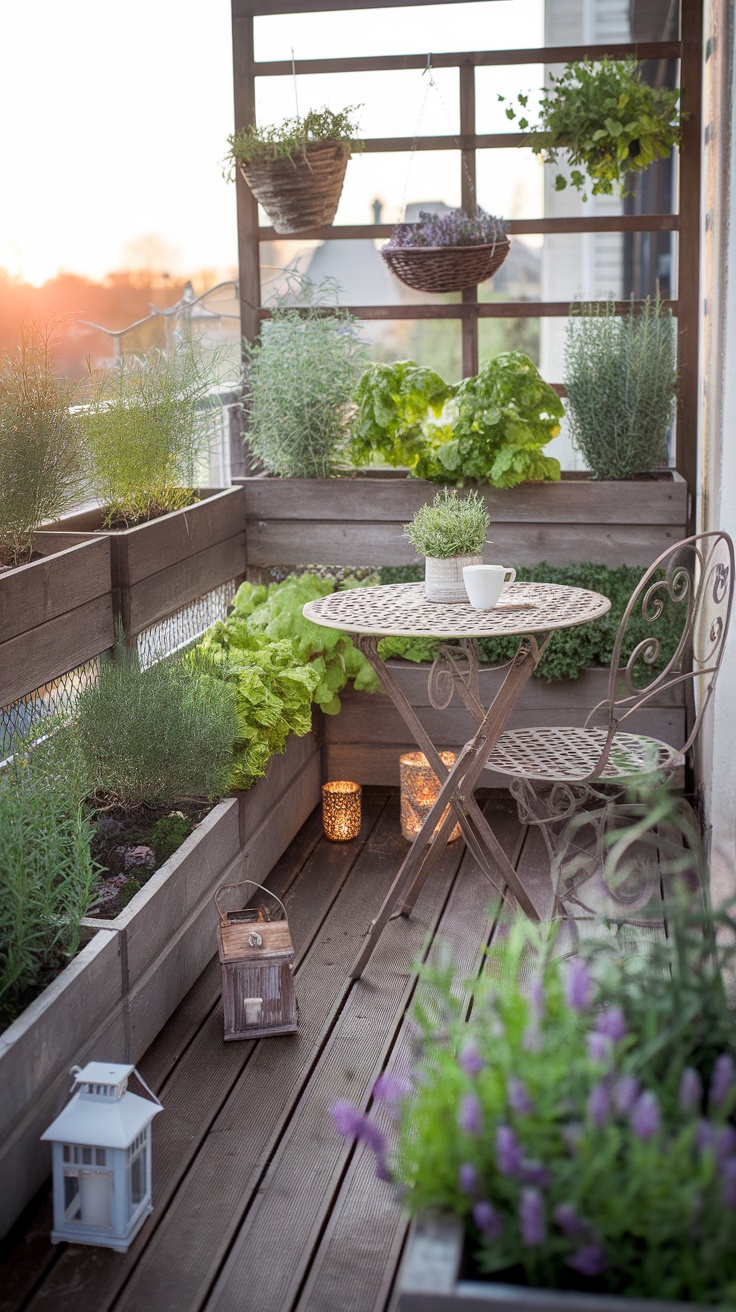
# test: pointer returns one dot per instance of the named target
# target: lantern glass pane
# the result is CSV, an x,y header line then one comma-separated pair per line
x,y
420,789
100,1157
137,1180
71,1195
67,1152
86,1156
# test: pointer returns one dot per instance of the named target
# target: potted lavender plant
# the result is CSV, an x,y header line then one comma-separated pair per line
x,y
449,253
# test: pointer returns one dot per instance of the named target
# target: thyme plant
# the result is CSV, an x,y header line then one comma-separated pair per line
x,y
299,380
621,378
291,137
149,426
449,526
41,442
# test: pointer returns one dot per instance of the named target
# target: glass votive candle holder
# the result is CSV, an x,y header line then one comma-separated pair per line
x,y
341,810
420,789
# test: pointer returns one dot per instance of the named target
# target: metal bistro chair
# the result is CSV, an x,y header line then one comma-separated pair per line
x,y
572,782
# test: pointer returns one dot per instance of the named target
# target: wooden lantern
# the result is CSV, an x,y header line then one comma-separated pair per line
x,y
257,959
420,789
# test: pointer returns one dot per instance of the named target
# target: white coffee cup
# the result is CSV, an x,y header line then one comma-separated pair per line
x,y
485,583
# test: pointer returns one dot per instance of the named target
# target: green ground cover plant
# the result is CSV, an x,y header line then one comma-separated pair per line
x,y
621,380
450,525
291,137
41,442
299,379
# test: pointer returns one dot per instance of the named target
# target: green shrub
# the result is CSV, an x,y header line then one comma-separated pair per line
x,y
395,404
41,442
450,525
299,379
158,735
46,879
168,834
621,377
291,137
149,426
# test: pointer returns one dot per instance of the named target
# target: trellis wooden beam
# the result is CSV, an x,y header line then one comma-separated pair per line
x,y
482,310
476,58
517,227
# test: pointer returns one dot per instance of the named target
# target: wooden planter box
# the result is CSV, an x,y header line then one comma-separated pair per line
x,y
358,521
55,614
429,1281
365,740
112,1000
159,567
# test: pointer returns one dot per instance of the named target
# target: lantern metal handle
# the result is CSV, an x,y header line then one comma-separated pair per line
x,y
241,884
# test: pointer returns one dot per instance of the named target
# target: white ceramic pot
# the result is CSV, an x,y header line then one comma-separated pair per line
x,y
443,579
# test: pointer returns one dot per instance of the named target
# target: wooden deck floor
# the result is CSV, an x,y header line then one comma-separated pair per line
x,y
259,1205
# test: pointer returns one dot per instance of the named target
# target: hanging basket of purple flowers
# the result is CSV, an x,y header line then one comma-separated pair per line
x,y
447,254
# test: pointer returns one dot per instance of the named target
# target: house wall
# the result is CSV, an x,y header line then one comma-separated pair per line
x,y
717,482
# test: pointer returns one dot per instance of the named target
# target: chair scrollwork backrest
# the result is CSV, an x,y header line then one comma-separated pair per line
x,y
674,629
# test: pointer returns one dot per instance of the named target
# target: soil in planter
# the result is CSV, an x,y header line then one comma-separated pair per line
x,y
131,843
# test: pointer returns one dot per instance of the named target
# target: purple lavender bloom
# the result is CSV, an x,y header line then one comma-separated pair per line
x,y
720,1080
589,1260
487,1220
391,1088
645,1117
572,1134
469,1059
599,1105
706,1136
724,1141
624,1094
569,1222
537,997
600,1047
518,1098
508,1152
469,1117
534,1173
531,1218
728,1177
354,1124
578,985
532,1040
468,1178
690,1094
611,1023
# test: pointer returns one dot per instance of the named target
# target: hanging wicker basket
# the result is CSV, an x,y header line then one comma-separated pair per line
x,y
445,268
302,192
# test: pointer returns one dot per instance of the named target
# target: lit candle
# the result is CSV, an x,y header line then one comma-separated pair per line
x,y
420,789
341,810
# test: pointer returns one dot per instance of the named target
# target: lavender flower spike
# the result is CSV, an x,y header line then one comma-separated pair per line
x,y
578,985
354,1124
690,1094
487,1220
600,1047
531,1218
508,1151
611,1023
728,1177
391,1088
569,1222
599,1105
624,1094
589,1260
469,1058
469,1117
537,997
468,1178
518,1098
720,1080
645,1116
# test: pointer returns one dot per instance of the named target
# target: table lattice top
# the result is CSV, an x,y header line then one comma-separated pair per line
x,y
402,609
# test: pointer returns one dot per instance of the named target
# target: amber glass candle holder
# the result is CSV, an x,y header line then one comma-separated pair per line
x,y
341,810
420,789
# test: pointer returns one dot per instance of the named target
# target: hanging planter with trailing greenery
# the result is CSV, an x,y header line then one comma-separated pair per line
x,y
607,119
448,253
296,169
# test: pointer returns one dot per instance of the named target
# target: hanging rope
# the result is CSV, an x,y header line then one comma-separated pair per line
x,y
432,86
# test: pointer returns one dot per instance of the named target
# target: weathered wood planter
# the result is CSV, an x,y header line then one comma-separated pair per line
x,y
159,567
429,1281
358,521
112,1000
365,740
55,613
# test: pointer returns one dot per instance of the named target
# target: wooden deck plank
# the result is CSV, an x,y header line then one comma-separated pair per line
x,y
294,1196
355,1262
193,1096
186,1252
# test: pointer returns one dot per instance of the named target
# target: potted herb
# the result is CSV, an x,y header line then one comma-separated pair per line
x,y
449,253
450,534
296,169
607,119
621,379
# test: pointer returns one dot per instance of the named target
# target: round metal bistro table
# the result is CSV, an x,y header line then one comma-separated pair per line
x,y
530,611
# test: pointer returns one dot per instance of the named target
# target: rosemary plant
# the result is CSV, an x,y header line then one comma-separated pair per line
x,y
41,442
450,526
621,378
299,380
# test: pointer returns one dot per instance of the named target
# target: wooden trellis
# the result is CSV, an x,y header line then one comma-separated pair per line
x,y
469,311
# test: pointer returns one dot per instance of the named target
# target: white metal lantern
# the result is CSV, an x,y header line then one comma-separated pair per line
x,y
101,1148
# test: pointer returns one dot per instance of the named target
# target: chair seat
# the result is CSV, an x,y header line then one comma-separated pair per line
x,y
557,754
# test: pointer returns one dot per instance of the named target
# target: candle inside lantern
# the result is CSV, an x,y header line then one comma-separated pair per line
x,y
420,789
341,810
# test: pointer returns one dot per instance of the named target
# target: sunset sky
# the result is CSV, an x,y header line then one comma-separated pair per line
x,y
115,121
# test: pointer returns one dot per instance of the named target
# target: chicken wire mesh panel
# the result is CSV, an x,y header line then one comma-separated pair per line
x,y
186,625
23,720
